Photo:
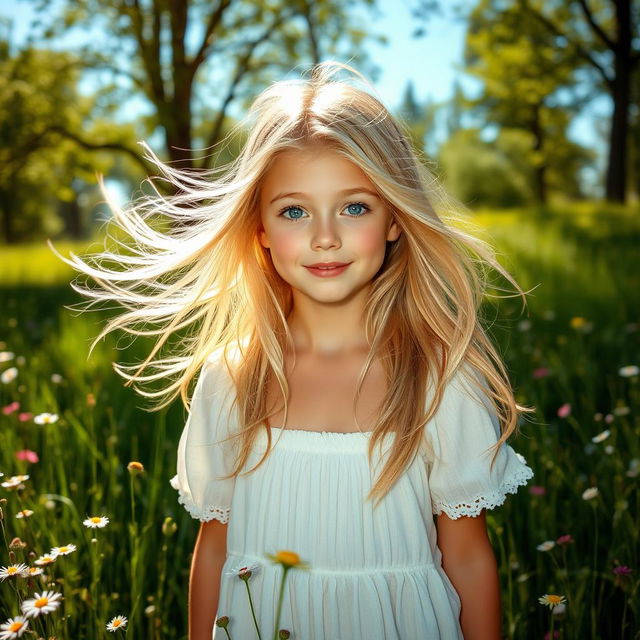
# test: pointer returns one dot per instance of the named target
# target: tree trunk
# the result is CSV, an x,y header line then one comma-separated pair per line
x,y
617,166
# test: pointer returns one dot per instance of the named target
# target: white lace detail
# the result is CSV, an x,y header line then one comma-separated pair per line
x,y
204,514
487,500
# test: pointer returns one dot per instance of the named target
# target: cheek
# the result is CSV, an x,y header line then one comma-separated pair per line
x,y
284,246
370,240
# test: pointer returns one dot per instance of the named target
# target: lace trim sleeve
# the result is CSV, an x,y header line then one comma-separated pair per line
x,y
204,514
488,500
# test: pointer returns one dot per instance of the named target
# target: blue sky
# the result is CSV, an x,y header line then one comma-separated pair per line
x,y
431,62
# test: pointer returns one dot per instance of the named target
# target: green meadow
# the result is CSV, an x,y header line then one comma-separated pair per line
x,y
573,353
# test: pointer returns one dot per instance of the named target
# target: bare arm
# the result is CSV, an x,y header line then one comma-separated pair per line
x,y
469,561
209,556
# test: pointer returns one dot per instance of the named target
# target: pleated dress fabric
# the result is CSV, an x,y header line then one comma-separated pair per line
x,y
372,574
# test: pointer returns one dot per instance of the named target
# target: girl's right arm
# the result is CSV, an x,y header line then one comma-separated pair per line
x,y
209,556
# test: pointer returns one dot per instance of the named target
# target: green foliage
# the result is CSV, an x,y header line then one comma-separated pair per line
x,y
580,327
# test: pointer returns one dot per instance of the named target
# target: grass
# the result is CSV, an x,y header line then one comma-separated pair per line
x,y
579,329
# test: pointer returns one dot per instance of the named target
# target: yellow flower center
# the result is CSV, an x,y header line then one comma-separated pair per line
x,y
12,570
96,520
554,599
16,626
117,623
288,557
63,549
41,602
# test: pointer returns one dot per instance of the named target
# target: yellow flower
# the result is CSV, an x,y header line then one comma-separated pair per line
x,y
551,600
135,468
288,559
577,322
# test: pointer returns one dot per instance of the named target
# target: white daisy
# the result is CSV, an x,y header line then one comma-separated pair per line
x,y
45,559
629,371
590,493
33,571
5,356
241,569
547,545
15,482
119,622
96,522
13,571
13,628
25,513
41,604
63,551
601,436
46,418
9,375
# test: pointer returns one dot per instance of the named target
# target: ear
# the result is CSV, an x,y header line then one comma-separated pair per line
x,y
394,231
262,237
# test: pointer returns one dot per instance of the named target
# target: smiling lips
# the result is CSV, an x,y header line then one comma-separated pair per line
x,y
327,269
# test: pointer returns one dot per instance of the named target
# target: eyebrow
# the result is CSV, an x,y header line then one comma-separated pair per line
x,y
345,192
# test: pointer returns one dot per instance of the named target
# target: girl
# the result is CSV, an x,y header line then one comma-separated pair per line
x,y
334,309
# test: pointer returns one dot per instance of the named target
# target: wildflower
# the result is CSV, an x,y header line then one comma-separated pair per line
x,y
10,408
16,543
13,628
27,455
135,468
169,527
564,410
119,622
577,322
566,539
622,570
601,436
590,493
244,572
46,418
551,600
559,610
56,378
25,513
91,400
9,375
13,571
96,522
629,371
63,551
597,416
540,372
41,604
45,559
609,418
288,559
609,449
537,490
621,411
33,571
547,545
5,356
15,482
25,416
222,621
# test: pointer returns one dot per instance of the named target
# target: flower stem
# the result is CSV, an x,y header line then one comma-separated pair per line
x,y
253,613
284,577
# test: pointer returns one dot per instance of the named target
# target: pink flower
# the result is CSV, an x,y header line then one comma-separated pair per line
x,y
622,570
24,417
547,635
29,456
537,490
540,372
566,539
10,408
564,410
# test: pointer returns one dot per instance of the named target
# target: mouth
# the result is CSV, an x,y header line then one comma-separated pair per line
x,y
325,270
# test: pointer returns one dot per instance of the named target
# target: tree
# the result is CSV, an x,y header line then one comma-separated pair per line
x,y
522,72
604,36
172,46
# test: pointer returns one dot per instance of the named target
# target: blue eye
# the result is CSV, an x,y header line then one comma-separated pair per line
x,y
287,209
357,205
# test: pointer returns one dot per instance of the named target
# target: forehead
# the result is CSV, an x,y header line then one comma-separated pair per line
x,y
312,170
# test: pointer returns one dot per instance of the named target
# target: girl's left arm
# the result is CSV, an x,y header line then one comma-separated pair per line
x,y
469,561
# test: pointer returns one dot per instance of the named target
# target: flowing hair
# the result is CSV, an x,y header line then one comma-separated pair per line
x,y
209,276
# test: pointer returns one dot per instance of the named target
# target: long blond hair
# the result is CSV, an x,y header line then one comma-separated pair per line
x,y
209,275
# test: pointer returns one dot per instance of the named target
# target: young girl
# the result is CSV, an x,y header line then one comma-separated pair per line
x,y
346,390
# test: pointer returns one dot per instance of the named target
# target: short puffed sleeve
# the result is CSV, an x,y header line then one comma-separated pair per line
x,y
461,435
203,456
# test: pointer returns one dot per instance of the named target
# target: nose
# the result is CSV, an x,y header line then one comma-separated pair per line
x,y
325,235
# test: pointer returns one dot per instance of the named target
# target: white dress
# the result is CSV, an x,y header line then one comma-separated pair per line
x,y
374,575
